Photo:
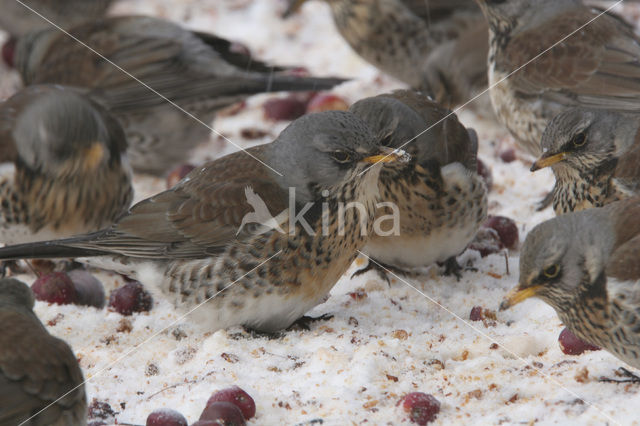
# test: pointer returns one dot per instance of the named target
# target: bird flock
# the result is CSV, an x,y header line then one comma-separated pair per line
x,y
259,237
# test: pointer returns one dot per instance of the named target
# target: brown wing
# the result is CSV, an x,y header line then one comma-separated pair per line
x,y
35,370
597,66
197,218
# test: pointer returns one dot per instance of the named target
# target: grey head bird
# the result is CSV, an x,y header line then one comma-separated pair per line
x,y
442,201
585,265
596,67
437,46
200,72
40,380
64,168
594,155
187,238
17,19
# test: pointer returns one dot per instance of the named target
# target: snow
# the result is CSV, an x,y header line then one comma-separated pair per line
x,y
383,341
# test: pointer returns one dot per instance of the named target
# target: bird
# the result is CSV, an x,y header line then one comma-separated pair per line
x,y
595,67
199,72
21,17
585,265
594,155
40,380
64,169
441,202
436,46
183,241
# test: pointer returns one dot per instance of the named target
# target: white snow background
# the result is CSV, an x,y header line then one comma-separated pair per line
x,y
391,340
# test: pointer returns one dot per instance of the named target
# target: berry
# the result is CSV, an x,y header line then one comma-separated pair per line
x,y
570,344
485,174
487,241
225,413
55,287
421,407
238,397
476,314
166,417
89,288
288,108
508,155
207,423
506,229
326,102
130,298
8,52
178,173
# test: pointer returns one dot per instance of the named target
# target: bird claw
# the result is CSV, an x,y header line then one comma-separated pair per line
x,y
382,270
622,372
545,202
452,267
304,322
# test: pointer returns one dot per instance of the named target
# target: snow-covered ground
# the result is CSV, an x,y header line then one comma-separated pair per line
x,y
384,341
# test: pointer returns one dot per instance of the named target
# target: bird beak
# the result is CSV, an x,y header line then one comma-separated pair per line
x,y
388,155
294,6
517,295
546,161
93,156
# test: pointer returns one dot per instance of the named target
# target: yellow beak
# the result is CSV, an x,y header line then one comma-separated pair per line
x,y
543,161
517,295
388,155
294,6
93,156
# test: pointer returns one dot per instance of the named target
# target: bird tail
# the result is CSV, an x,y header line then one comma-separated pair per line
x,y
54,249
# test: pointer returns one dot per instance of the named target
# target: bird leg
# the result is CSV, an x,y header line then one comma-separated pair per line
x,y
383,270
452,267
622,372
304,322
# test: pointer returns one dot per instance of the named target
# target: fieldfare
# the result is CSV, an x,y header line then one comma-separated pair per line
x,y
594,155
585,265
200,72
40,380
265,272
442,201
65,170
595,67
437,46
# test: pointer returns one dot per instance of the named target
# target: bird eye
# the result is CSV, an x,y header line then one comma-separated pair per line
x,y
579,139
341,156
551,271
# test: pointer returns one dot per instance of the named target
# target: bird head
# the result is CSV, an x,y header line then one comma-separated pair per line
x,y
324,151
561,256
62,134
16,293
579,141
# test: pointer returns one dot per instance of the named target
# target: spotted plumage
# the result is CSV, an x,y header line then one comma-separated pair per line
x,y
64,168
438,46
186,241
594,156
585,265
595,67
441,202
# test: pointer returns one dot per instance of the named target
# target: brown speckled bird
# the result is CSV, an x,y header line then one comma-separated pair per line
x,y
442,201
200,238
39,374
594,155
585,265
64,168
597,67
18,20
200,72
438,46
